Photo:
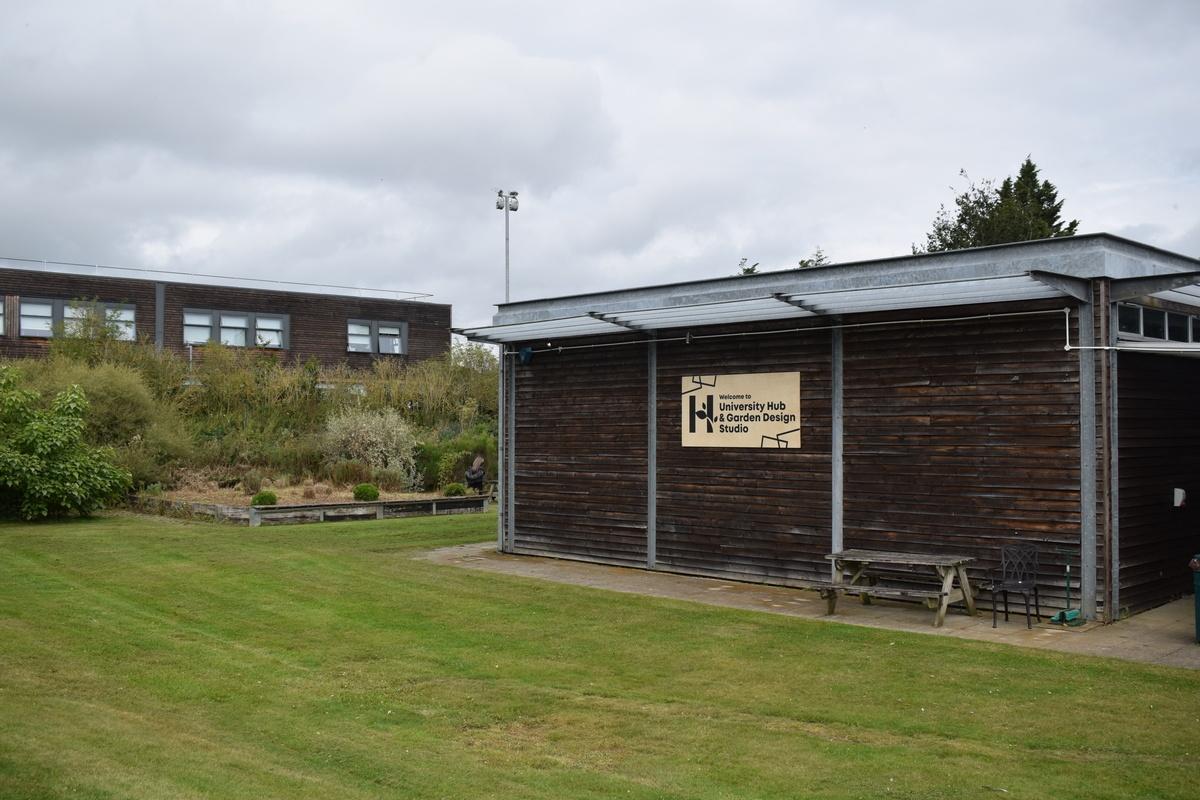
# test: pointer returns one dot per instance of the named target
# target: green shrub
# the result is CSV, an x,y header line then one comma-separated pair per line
x,y
378,439
46,468
453,466
347,473
454,490
264,498
366,493
443,459
300,455
148,434
392,480
252,481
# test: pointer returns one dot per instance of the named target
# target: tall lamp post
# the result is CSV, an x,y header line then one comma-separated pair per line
x,y
506,202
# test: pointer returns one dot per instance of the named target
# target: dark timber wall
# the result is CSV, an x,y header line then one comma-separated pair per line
x,y
1158,411
761,515
580,473
317,322
963,436
55,286
959,436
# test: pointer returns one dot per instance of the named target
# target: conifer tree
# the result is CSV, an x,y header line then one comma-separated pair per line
x,y
1020,210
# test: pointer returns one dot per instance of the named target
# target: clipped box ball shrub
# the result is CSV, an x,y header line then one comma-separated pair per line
x,y
366,493
454,490
264,498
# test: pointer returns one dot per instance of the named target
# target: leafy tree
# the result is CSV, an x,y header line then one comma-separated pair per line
x,y
46,469
747,269
1021,209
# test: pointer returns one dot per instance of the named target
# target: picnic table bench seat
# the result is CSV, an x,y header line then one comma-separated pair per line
x,y
949,568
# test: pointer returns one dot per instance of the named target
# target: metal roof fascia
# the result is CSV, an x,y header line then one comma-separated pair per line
x,y
1084,255
679,322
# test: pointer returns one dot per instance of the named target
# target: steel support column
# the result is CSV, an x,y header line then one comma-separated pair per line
x,y
510,495
501,468
1114,471
837,466
1087,461
651,453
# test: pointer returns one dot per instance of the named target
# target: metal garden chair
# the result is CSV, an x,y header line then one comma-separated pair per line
x,y
1018,574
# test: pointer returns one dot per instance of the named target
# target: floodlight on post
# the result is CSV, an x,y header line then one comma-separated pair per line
x,y
506,202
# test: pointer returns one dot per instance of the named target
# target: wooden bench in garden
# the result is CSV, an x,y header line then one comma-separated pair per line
x,y
948,568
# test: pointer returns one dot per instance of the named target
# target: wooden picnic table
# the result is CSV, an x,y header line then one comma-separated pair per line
x,y
949,569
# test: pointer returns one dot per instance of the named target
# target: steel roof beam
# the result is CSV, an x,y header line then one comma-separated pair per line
x,y
1079,288
611,319
1129,288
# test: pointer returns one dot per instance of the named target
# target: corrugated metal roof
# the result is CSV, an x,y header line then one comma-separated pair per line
x,y
902,296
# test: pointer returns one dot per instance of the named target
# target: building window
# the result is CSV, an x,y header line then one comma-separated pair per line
x,y
1129,318
367,336
197,327
1154,323
235,328
120,319
37,318
268,332
391,340
1140,322
358,337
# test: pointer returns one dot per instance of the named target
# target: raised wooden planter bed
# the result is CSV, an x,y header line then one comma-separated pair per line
x,y
255,516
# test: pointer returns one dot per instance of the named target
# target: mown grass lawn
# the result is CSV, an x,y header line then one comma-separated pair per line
x,y
147,658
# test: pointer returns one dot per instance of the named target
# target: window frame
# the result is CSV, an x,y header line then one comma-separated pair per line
x,y
58,315
1193,325
108,309
216,325
373,326
55,316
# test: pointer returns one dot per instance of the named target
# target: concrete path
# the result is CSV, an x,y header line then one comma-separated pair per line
x,y
1163,635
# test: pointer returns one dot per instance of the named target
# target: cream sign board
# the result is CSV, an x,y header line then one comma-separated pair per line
x,y
759,410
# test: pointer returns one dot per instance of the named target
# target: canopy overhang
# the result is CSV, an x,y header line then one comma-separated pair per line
x,y
777,306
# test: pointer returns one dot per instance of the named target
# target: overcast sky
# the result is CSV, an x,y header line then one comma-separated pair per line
x,y
363,143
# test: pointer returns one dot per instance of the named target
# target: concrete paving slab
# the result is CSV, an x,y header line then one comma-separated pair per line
x,y
1163,635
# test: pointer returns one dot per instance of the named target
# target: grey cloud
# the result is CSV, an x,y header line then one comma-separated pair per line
x,y
651,143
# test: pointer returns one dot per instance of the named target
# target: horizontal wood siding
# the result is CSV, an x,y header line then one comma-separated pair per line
x,y
1159,450
580,451
961,436
318,322
749,514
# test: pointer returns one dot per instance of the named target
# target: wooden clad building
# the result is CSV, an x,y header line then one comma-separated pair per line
x,y
1041,392
296,321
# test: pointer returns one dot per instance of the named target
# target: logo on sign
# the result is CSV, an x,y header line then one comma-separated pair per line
x,y
701,411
